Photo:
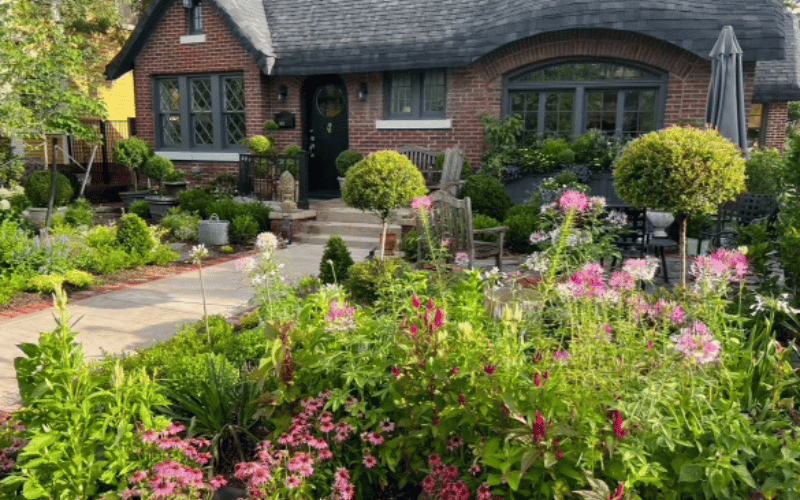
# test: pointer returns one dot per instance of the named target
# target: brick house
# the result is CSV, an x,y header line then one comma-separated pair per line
x,y
377,74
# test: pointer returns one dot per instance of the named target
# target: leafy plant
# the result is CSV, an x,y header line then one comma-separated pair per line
x,y
347,159
522,221
181,225
158,167
409,245
141,208
196,201
382,183
336,261
480,221
37,189
80,213
685,171
133,153
488,196
365,279
51,282
134,236
260,145
764,172
244,228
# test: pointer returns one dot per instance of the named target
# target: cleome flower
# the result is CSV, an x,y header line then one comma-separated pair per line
x,y
697,343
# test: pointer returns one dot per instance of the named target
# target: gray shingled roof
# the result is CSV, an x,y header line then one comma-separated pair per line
x,y
779,81
349,36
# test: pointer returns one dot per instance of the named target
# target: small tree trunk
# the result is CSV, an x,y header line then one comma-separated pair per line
x,y
51,201
682,245
383,237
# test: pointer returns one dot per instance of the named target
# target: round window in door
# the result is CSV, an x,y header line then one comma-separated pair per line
x,y
329,100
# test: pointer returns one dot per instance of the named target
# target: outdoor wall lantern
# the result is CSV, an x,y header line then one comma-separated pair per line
x,y
282,93
362,92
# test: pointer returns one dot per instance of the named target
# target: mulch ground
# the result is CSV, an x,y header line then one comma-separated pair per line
x,y
30,302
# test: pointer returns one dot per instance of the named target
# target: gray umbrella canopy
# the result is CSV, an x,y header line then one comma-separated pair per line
x,y
726,111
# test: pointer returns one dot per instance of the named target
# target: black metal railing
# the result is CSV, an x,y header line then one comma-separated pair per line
x,y
259,176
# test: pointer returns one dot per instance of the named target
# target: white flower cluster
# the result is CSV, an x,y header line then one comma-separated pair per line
x,y
537,261
778,304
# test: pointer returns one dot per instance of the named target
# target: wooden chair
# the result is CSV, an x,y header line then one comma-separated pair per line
x,y
425,160
451,172
451,218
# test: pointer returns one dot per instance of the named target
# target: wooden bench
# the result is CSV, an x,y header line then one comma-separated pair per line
x,y
425,161
451,219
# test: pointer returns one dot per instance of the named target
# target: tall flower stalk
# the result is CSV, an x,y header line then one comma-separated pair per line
x,y
200,252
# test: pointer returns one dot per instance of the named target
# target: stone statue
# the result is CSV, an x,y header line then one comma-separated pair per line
x,y
286,191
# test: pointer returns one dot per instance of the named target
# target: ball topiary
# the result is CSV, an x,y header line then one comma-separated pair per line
x,y
347,159
521,221
158,167
133,153
336,261
37,189
260,145
134,236
382,183
488,195
682,170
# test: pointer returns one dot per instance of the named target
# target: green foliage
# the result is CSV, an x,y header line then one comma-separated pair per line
x,y
49,283
226,250
178,176
271,126
161,255
11,168
502,139
336,261
243,229
597,150
366,278
181,225
224,184
260,145
134,236
292,151
680,170
132,152
556,153
480,221
521,221
488,196
158,167
260,212
347,159
141,208
792,159
80,213
764,171
383,182
409,245
196,201
37,189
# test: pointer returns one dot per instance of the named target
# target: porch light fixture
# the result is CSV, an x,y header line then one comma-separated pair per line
x,y
282,93
362,92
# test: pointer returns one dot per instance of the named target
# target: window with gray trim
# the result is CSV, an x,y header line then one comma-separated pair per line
x,y
569,98
195,13
200,112
416,94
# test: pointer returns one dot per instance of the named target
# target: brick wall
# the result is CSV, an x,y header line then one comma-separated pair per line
x,y
472,91
777,116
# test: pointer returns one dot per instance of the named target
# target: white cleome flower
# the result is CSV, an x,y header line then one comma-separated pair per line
x,y
198,253
266,242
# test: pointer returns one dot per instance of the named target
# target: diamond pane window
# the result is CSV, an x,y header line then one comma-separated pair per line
x,y
234,94
201,94
170,130
235,128
170,96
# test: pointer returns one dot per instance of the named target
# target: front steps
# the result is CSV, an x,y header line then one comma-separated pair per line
x,y
358,229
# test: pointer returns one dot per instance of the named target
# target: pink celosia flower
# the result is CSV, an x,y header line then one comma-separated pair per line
x,y
421,202
573,200
395,371
618,424
138,476
370,461
415,301
537,380
539,428
489,369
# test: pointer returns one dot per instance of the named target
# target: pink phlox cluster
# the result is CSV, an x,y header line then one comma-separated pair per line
x,y
441,484
421,203
697,343
641,269
720,267
341,317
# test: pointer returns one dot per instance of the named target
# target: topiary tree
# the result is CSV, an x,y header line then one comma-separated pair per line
x,y
133,153
37,189
347,159
381,183
159,168
336,261
683,170
134,236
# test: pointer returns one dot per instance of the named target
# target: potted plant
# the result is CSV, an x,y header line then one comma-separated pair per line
x,y
159,168
37,190
381,183
175,183
132,153
682,170
344,161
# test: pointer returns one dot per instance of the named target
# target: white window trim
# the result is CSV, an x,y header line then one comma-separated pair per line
x,y
198,156
192,39
441,124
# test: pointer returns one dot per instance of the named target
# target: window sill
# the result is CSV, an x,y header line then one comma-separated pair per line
x,y
440,124
191,39
227,156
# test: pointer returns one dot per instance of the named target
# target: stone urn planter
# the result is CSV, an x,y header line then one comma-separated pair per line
x,y
174,188
660,222
129,197
341,183
160,205
36,216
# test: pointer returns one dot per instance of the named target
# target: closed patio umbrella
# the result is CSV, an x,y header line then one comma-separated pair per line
x,y
726,111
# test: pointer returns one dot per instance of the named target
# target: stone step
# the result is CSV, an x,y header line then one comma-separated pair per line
x,y
350,241
360,229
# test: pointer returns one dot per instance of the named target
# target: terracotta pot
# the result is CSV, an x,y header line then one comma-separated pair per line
x,y
390,244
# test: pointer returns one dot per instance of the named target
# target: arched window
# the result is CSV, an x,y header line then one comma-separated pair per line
x,y
568,98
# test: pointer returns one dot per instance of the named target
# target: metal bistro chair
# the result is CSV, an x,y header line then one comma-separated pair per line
x,y
746,209
633,242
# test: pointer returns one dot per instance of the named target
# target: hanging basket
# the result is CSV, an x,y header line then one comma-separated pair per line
x,y
213,231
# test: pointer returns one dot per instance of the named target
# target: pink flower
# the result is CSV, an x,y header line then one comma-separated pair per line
x,y
641,269
387,426
174,428
375,439
573,200
621,280
678,316
438,318
421,202
293,482
539,428
489,369
138,477
618,424
561,356
461,400
415,301
698,344
475,470
217,482
537,380
434,460
370,461
395,371
455,443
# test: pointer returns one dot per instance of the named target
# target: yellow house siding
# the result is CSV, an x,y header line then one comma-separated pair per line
x,y
118,97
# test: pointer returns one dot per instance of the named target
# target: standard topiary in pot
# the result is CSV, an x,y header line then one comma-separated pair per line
x,y
37,189
336,261
382,183
159,168
683,170
133,153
